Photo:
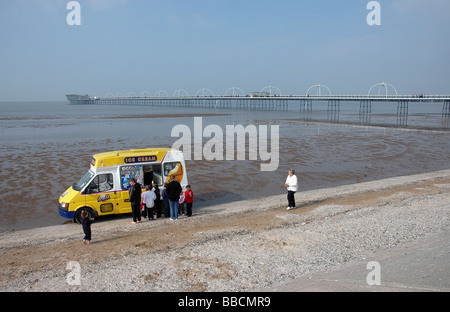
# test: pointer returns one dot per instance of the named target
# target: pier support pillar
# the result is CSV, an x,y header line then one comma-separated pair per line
x,y
333,110
305,105
446,109
402,113
365,107
334,106
402,108
365,111
446,114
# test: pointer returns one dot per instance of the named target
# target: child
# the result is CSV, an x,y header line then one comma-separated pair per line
x,y
181,204
86,223
157,200
165,202
188,199
143,210
149,202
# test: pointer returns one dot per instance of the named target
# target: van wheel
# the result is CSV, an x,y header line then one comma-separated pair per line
x,y
77,217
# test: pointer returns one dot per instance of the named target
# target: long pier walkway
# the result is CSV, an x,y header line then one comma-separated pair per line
x,y
269,103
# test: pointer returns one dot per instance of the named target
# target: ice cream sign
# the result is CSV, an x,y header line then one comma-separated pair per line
x,y
140,159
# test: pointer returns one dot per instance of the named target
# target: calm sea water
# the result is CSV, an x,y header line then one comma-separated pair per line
x,y
46,146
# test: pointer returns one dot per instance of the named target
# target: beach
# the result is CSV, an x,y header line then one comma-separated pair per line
x,y
248,245
47,147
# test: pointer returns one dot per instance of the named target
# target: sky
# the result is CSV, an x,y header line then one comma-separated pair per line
x,y
132,46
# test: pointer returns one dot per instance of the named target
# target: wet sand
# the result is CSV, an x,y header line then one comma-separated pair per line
x,y
240,246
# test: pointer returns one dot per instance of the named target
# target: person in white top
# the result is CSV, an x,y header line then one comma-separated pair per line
x,y
292,186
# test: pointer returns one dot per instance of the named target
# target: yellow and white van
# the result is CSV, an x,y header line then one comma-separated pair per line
x,y
103,190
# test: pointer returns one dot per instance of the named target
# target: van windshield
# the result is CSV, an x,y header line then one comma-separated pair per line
x,y
83,181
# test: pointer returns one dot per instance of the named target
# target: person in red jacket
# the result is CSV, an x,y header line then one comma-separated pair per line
x,y
189,200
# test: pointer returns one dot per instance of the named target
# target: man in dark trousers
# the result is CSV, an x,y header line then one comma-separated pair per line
x,y
135,200
174,190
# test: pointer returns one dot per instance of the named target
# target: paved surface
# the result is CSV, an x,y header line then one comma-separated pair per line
x,y
421,266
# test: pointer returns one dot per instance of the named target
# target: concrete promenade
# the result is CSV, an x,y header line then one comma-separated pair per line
x,y
421,266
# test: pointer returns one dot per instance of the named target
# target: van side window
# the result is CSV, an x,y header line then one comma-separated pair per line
x,y
127,172
173,168
168,167
101,183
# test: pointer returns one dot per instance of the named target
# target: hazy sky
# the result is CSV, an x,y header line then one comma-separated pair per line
x,y
148,45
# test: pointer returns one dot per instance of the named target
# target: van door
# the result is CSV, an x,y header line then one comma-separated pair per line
x,y
152,173
100,194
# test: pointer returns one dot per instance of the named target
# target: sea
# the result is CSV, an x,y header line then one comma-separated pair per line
x,y
45,147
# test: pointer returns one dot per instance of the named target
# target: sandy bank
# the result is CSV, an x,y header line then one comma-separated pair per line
x,y
238,246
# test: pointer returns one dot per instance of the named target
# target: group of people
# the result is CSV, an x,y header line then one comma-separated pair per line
x,y
173,199
149,203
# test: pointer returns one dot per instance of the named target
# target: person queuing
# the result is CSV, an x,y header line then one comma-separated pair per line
x,y
174,191
158,203
189,200
148,199
135,200
165,201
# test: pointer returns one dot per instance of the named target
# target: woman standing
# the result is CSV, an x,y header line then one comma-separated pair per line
x,y
292,186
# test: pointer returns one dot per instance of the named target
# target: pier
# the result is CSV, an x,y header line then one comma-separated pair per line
x,y
267,103
271,99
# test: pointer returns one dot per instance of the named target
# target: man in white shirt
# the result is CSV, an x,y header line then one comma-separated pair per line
x,y
292,186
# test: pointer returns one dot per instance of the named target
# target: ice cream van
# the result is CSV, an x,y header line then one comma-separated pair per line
x,y
103,190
